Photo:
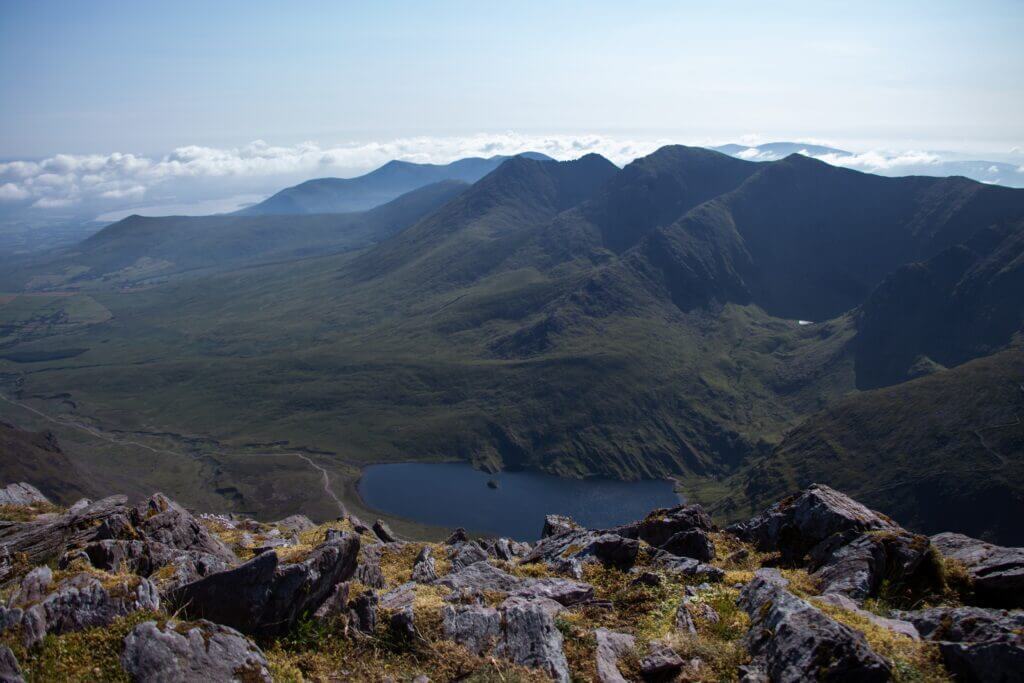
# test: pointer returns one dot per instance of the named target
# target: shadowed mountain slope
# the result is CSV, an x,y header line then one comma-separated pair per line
x,y
37,457
344,195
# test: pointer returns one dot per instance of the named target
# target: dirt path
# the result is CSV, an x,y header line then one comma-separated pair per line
x,y
119,441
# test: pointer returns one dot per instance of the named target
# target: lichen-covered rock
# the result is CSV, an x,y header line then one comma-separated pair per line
x,y
21,494
661,525
265,597
465,554
557,524
586,546
475,627
857,569
364,611
798,642
563,591
686,566
611,647
801,521
162,520
530,638
201,651
997,572
479,577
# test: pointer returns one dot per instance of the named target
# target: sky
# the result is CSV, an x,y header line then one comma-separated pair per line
x,y
140,91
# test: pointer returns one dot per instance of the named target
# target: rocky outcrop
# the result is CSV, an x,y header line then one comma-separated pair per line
x,y
191,652
977,644
162,520
997,572
798,642
10,672
22,494
264,597
424,569
47,537
610,648
383,531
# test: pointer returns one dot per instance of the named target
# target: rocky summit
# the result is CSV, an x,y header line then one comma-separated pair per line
x,y
816,587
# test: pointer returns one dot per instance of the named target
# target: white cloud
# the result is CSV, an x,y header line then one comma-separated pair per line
x,y
9,192
878,161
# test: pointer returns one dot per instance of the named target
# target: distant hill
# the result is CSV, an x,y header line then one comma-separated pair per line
x,y
139,249
343,195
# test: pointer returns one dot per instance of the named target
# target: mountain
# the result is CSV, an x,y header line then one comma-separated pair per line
x,y
569,317
138,249
945,449
344,195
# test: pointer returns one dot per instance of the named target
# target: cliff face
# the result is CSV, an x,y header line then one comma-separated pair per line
x,y
815,587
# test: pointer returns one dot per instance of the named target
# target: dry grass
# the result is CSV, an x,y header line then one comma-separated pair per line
x,y
912,660
26,513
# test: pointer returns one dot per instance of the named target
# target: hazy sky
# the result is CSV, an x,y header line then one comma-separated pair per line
x,y
148,77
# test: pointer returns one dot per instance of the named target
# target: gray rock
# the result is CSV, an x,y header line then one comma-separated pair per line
x,y
686,566
563,591
21,494
47,538
265,598
9,618
364,612
358,525
965,624
424,569
801,521
858,568
475,627
6,563
10,672
383,531
662,663
336,604
557,524
611,647
400,597
465,554
661,525
370,574
798,642
34,587
295,524
479,577
162,520
997,571
693,543
457,537
191,652
531,638
402,624
684,619
586,546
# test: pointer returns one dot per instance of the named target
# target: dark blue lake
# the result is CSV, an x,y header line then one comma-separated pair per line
x,y
455,494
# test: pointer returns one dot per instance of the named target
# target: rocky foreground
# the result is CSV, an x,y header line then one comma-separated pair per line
x,y
817,587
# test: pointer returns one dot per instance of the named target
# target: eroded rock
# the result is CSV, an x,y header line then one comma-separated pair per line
x,y
611,647
201,651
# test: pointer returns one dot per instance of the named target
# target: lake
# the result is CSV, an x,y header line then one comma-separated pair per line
x,y
455,494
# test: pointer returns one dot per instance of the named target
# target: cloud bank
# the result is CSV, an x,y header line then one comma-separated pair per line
x,y
123,179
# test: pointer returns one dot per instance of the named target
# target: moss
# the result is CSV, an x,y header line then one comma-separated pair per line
x,y
90,655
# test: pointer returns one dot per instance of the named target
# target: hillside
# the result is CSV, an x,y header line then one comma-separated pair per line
x,y
344,195
139,250
37,457
946,449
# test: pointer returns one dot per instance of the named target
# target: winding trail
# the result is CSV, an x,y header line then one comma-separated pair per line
x,y
117,441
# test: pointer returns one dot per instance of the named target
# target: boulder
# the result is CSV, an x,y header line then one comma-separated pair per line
x,y
10,672
22,494
977,644
857,569
693,543
264,597
530,638
997,572
661,525
465,554
611,647
424,569
801,521
295,524
586,546
563,591
200,651
479,577
662,663
47,537
475,627
383,531
557,524
162,520
798,642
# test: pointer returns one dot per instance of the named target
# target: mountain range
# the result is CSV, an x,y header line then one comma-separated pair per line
x,y
745,326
